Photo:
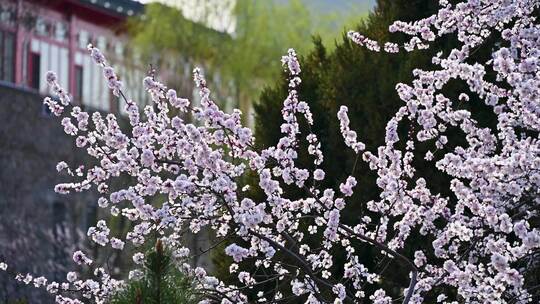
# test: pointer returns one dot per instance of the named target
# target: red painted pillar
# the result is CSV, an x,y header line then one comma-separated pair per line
x,y
19,46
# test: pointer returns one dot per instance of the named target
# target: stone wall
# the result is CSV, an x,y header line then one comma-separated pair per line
x,y
38,227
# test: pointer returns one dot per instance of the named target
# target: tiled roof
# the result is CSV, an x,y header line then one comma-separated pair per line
x,y
121,7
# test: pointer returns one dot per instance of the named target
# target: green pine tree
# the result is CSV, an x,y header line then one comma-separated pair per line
x,y
162,283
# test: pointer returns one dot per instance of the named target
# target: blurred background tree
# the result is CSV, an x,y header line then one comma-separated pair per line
x,y
243,61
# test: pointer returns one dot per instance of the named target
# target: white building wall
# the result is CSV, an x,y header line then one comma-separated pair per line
x,y
54,62
95,92
87,82
52,58
64,66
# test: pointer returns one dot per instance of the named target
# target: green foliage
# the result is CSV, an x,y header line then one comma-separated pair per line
x,y
166,29
162,283
362,80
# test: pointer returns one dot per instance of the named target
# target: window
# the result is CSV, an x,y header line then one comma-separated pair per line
x,y
7,56
78,83
33,71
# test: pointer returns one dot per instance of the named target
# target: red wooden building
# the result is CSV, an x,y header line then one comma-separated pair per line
x,y
41,35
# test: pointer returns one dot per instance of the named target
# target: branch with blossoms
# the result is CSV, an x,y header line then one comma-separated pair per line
x,y
481,237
